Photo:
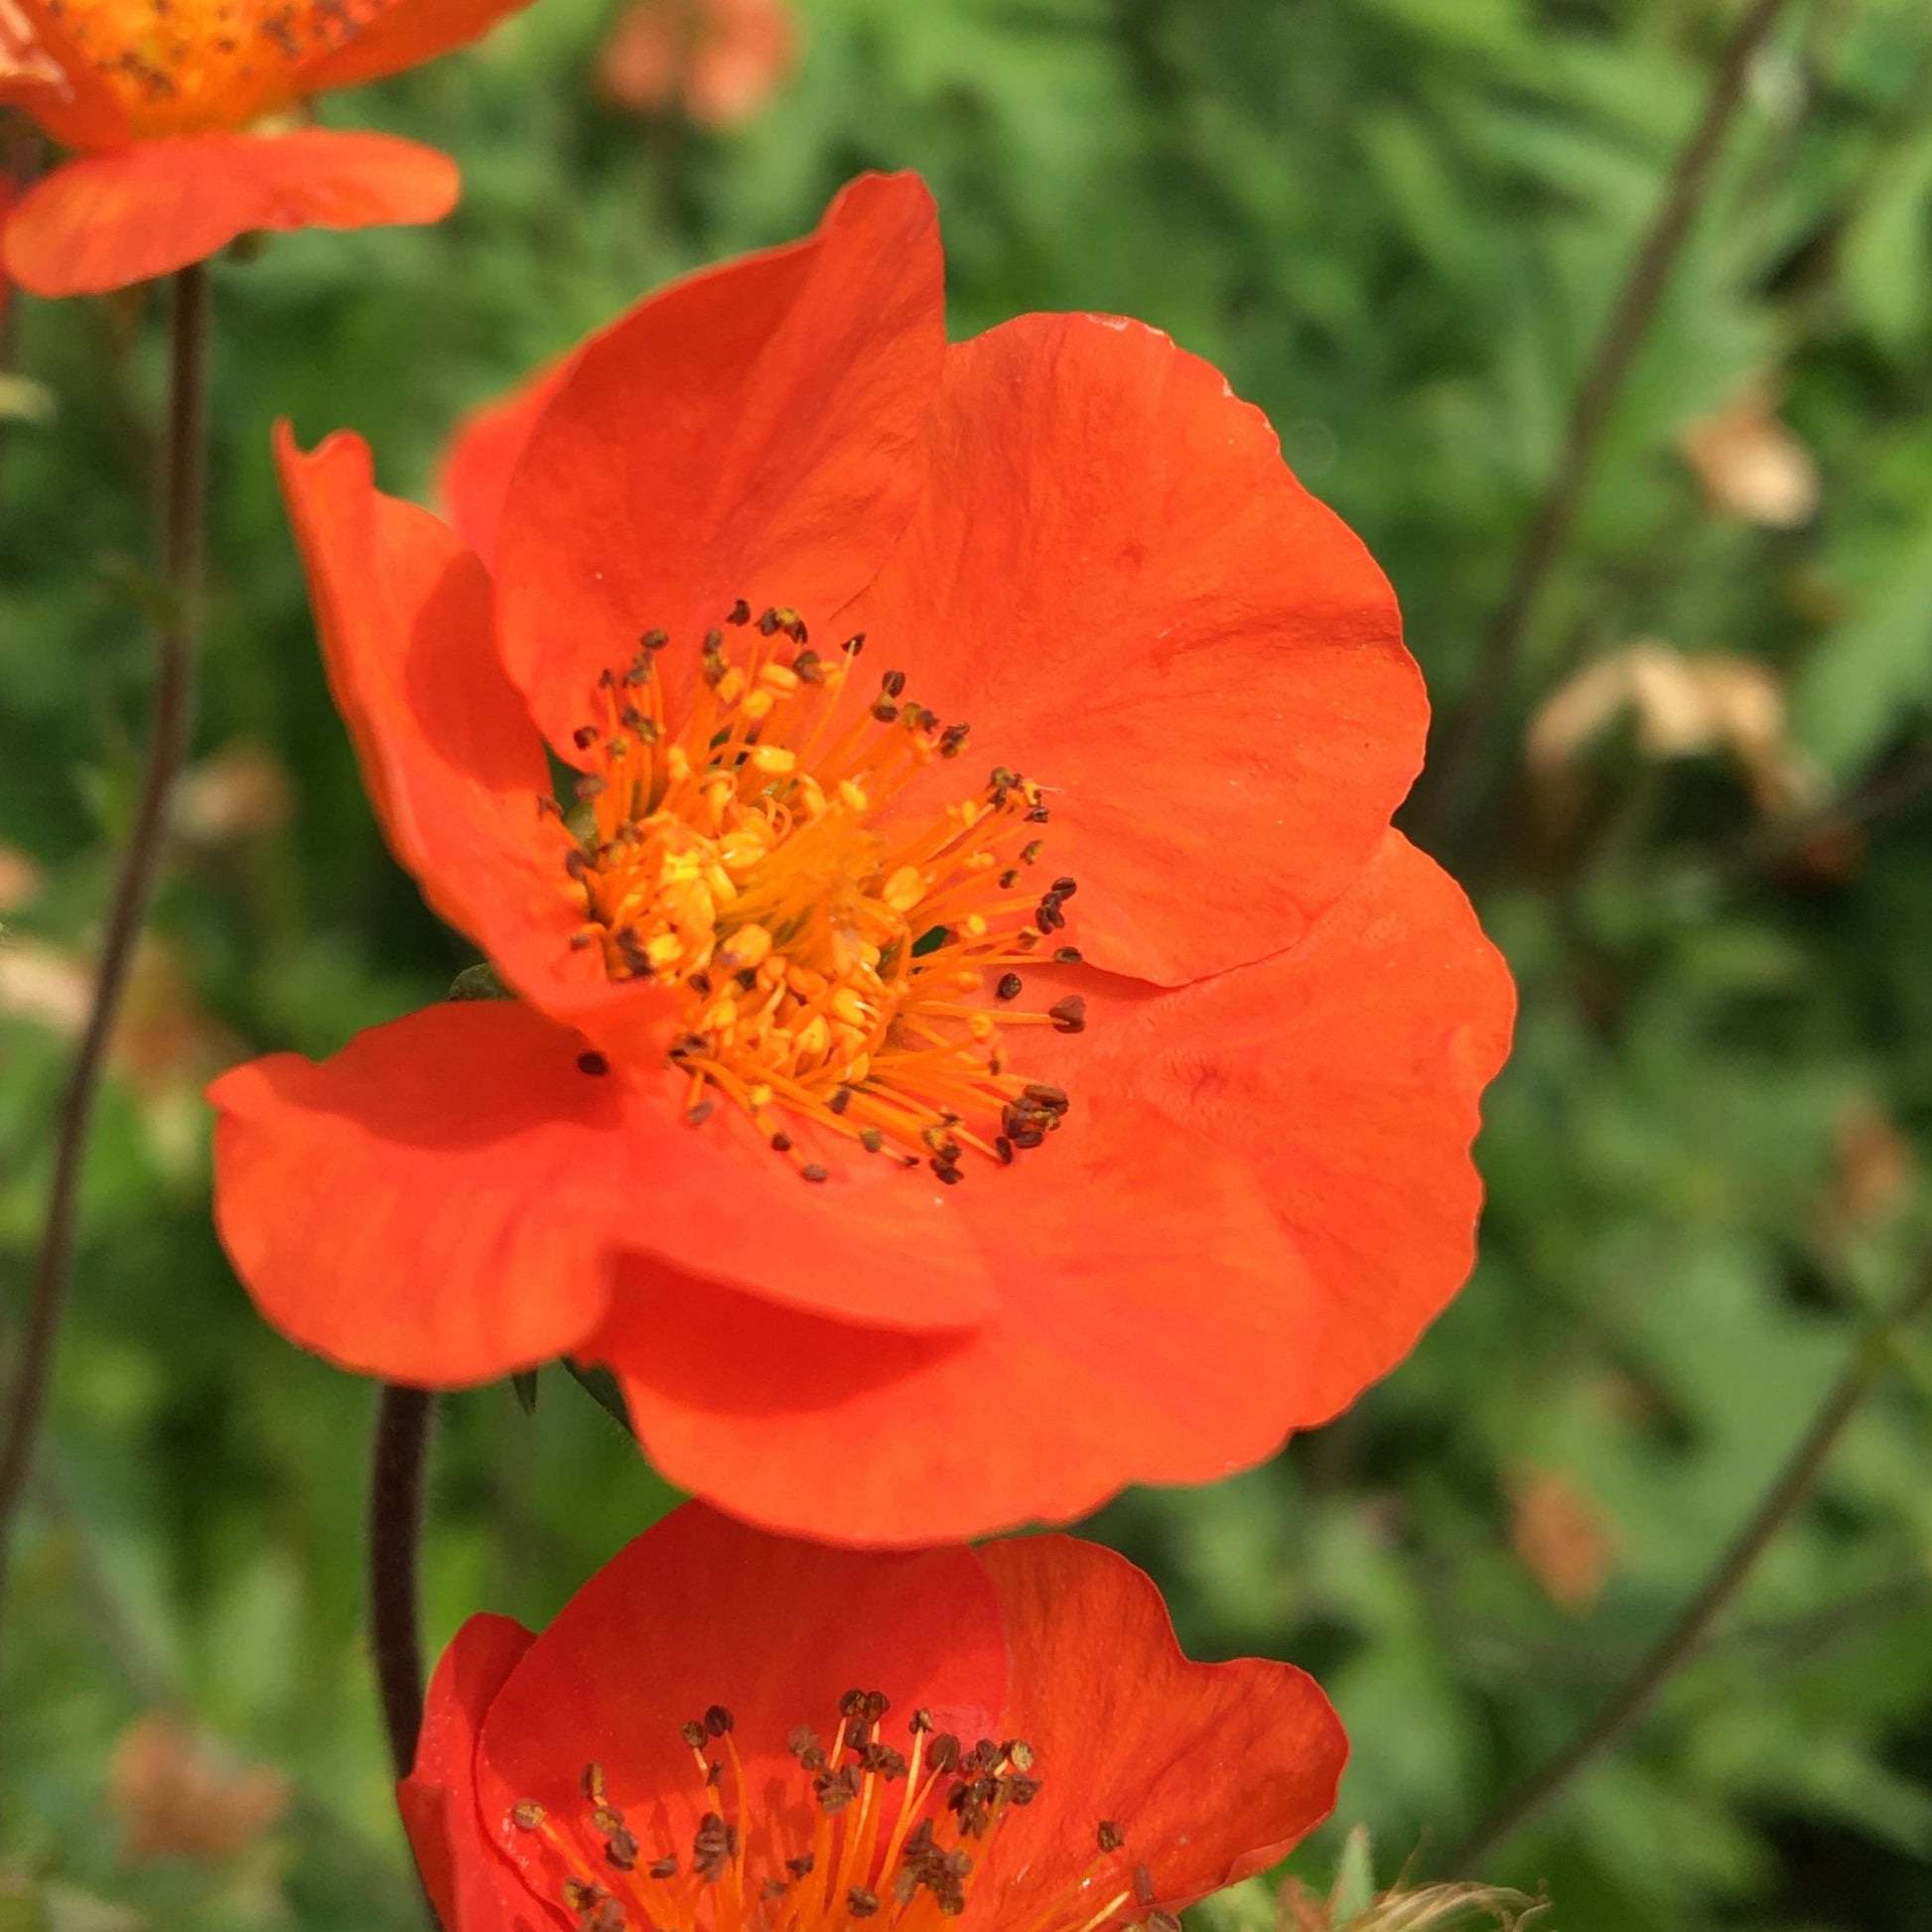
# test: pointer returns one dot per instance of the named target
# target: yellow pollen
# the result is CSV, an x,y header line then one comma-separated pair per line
x,y
832,965
895,1833
181,66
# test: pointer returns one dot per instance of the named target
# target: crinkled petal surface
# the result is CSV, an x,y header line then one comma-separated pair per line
x,y
473,1887
701,1610
451,760
109,219
1155,1325
447,1199
1117,581
1213,1771
753,431
1348,1072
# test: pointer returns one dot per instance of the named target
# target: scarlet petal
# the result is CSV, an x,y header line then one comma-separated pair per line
x,y
45,76
472,1885
1115,577
1349,1072
1212,1771
109,219
448,1198
1155,1326
753,431
432,1205
453,763
403,33
701,1610
479,458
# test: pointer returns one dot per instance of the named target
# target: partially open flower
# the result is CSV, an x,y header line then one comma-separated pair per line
x,y
180,114
979,1043
729,1730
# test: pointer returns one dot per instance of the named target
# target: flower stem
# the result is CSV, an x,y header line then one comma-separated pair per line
x,y
1443,799
1780,1502
395,1539
174,650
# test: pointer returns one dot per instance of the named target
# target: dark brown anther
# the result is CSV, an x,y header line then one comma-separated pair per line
x,y
853,1704
793,626
621,1850
781,1144
853,645
769,620
699,981
528,1815
946,1171
591,1782
1030,852
746,980
1144,1884
952,741
1052,1099
702,1112
655,641
607,1819
631,949
576,864
1022,1791
593,1063
692,1732
1003,1149
1010,879
772,1888
663,1868
833,1791
802,1738
884,711
921,1722
892,684
718,1721
1066,955
1069,1015
714,641
876,1706
714,1772
861,1903
840,1099
581,941
589,786
808,667
870,1139
712,669
583,737
638,672
906,1888
944,1753
740,612
1008,987
801,1866
1066,887
1109,1836
815,1172
1040,815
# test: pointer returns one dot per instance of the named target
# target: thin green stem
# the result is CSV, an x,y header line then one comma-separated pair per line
x,y
1779,1504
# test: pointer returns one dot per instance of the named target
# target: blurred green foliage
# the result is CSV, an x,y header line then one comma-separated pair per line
x,y
1397,224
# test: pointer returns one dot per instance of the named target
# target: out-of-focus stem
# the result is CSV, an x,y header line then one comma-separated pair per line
x,y
1445,797
1779,1503
395,1540
175,651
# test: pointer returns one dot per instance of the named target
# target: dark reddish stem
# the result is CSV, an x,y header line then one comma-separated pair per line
x,y
175,651
395,1541
1443,798
1685,1633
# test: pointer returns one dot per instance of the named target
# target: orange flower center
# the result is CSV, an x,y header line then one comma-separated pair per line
x,y
179,66
872,1832
830,963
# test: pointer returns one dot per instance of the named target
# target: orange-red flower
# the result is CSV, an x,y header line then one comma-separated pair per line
x,y
727,1730
169,105
719,60
934,1128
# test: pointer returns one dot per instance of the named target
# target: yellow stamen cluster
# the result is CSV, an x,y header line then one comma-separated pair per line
x,y
829,967
895,1836
181,66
